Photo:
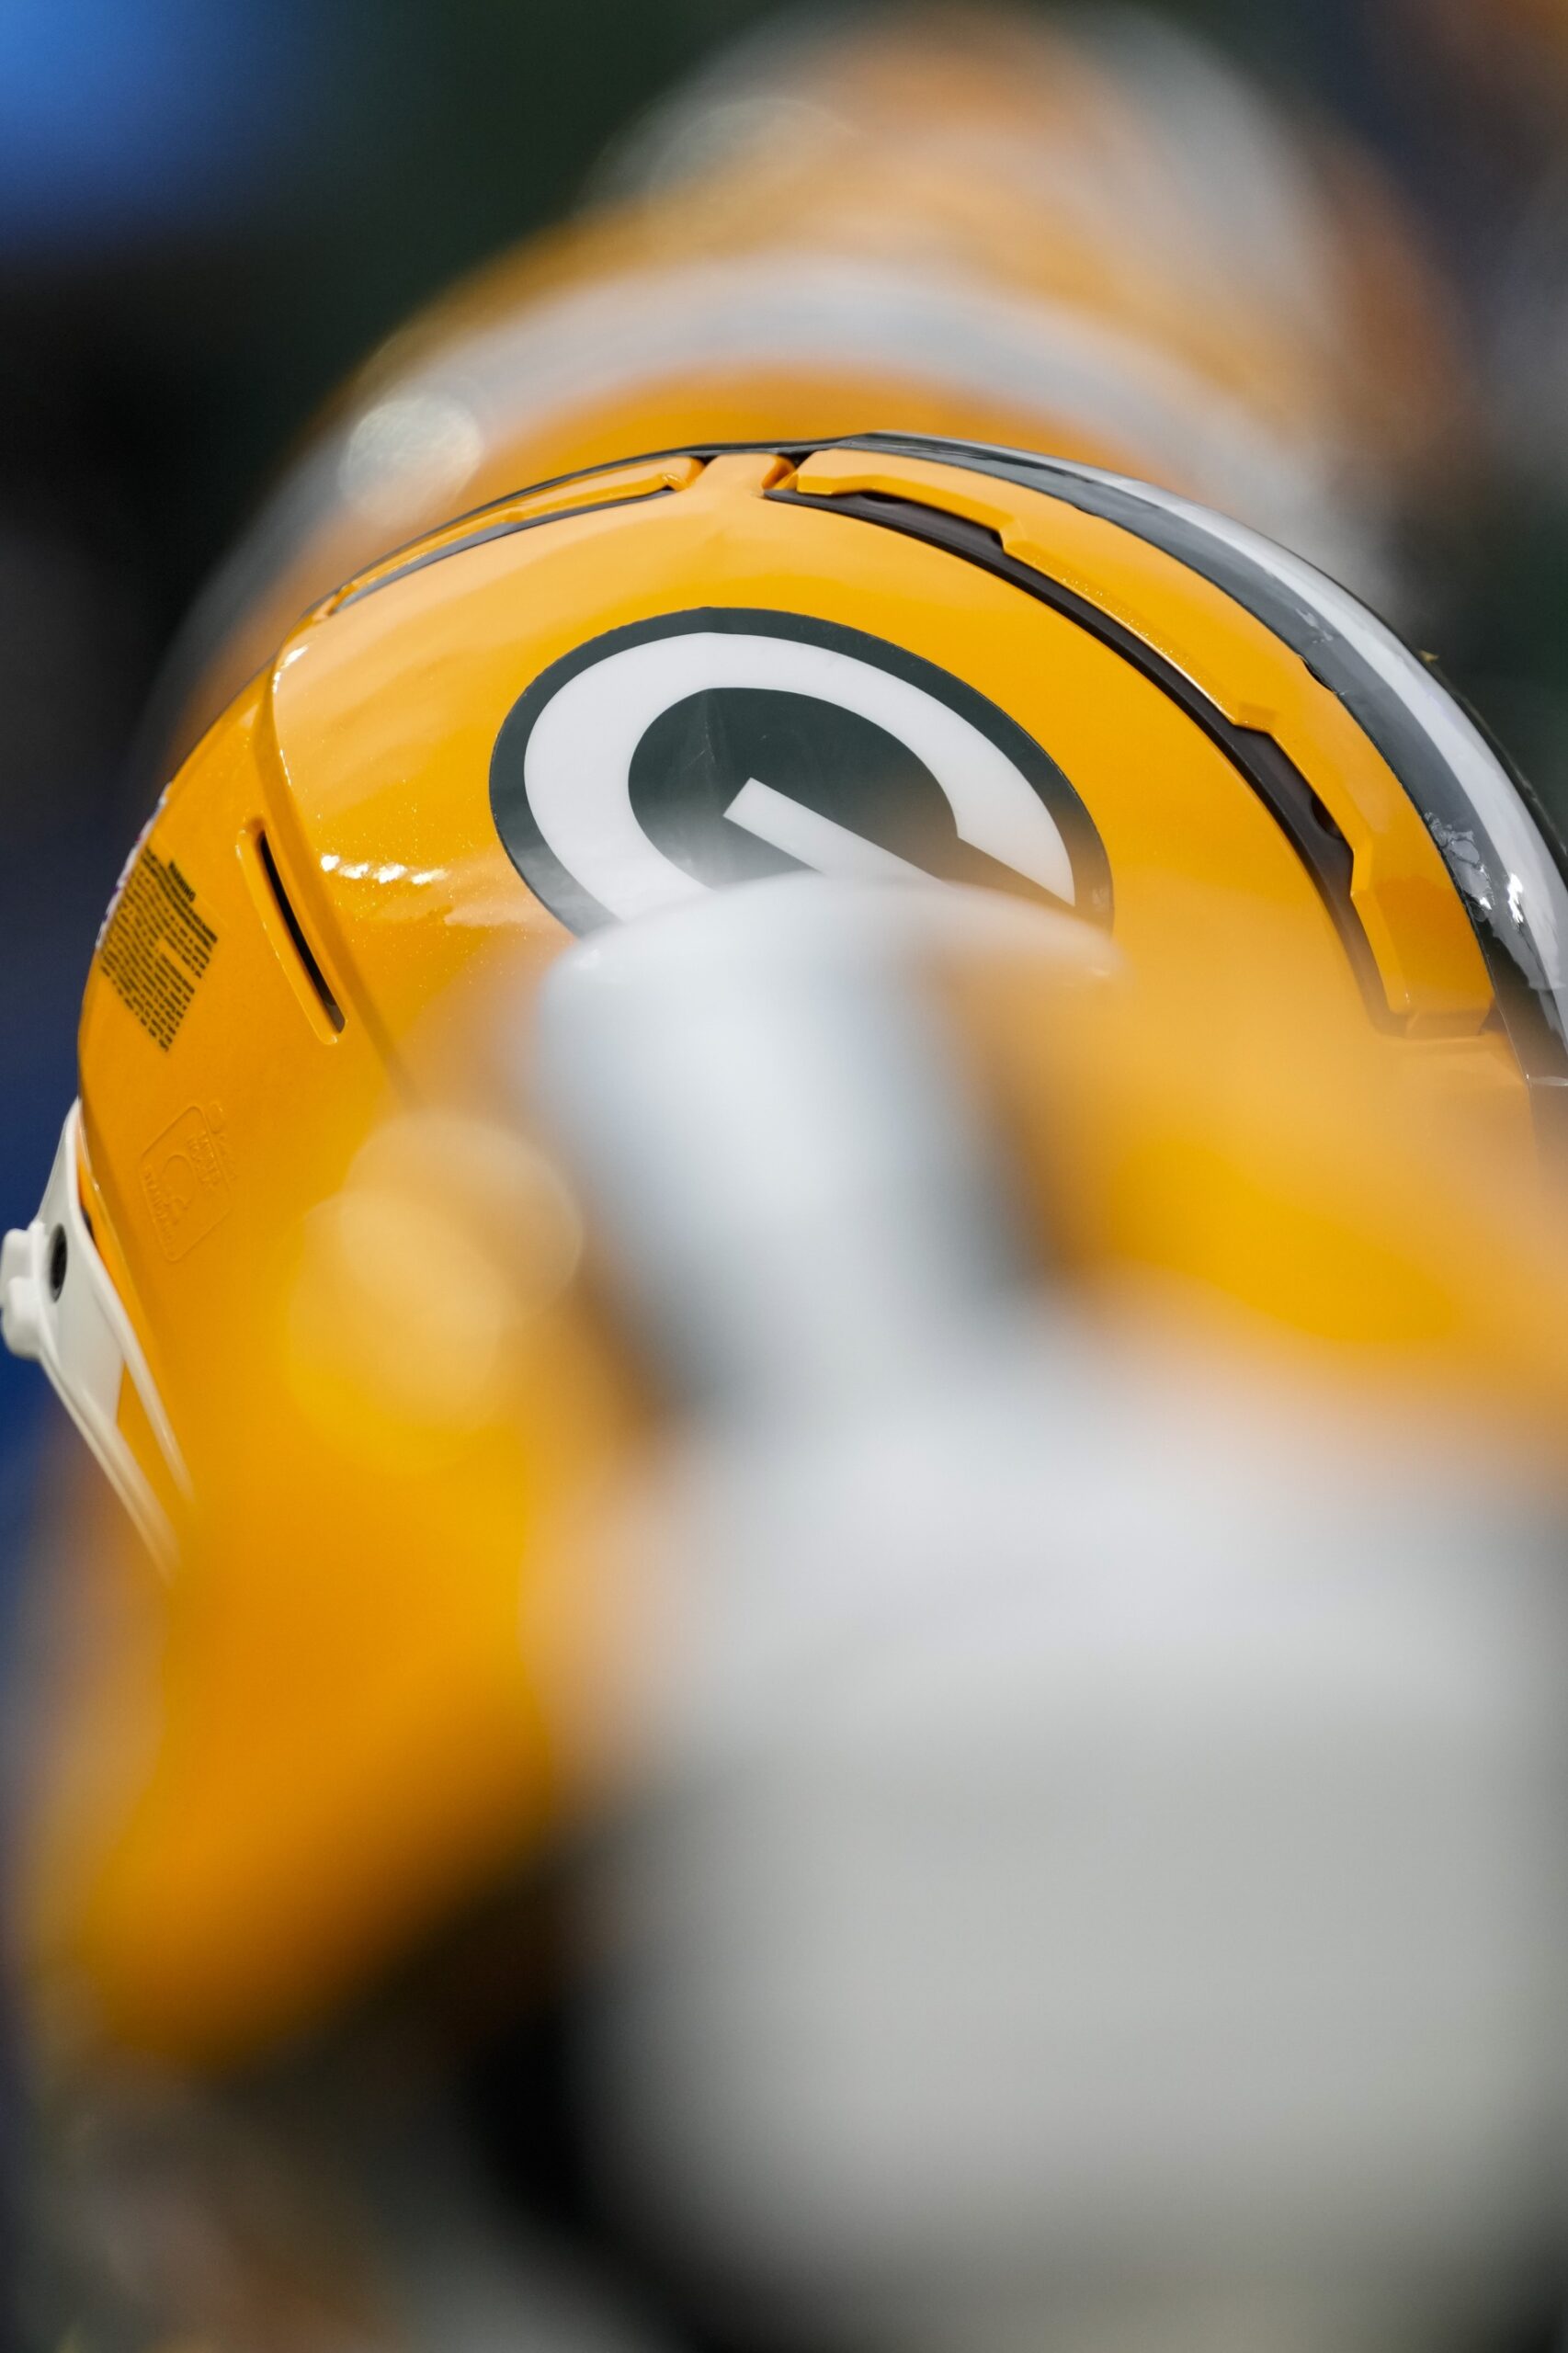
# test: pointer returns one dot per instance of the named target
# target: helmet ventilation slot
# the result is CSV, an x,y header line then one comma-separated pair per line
x,y
305,965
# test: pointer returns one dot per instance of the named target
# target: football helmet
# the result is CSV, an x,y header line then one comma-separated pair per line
x,y
884,659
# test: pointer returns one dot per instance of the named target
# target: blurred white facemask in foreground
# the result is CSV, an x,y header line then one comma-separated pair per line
x,y
1105,1882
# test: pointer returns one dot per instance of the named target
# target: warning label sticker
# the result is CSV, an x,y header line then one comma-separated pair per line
x,y
184,1178
155,945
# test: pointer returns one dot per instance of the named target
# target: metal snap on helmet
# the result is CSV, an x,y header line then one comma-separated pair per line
x,y
920,661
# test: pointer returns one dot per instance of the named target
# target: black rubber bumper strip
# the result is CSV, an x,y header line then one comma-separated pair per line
x,y
1522,988
505,531
1267,769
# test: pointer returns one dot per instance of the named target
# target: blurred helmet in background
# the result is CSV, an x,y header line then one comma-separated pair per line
x,y
1093,237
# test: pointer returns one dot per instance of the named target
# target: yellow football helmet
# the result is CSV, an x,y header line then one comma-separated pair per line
x,y
596,699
